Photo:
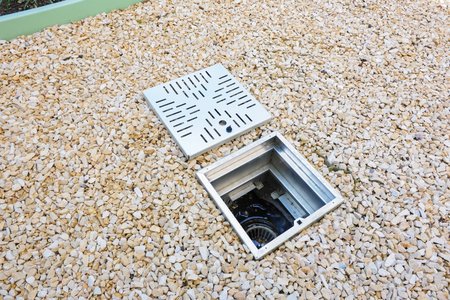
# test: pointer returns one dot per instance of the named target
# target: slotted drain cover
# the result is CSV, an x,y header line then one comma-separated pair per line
x,y
261,234
205,109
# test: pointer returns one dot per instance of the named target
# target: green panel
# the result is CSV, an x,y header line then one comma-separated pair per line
x,y
67,11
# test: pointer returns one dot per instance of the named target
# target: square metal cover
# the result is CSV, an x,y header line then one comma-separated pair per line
x,y
205,109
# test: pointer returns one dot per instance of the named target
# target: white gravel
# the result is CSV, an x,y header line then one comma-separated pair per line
x,y
96,199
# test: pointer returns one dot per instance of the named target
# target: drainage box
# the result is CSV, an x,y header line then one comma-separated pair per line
x,y
268,192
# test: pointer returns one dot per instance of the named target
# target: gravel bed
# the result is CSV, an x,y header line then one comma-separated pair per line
x,y
96,200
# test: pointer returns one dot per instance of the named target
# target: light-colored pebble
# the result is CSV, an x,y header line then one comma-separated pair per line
x,y
138,192
9,255
48,253
101,243
30,279
204,252
155,228
390,261
139,251
91,280
97,290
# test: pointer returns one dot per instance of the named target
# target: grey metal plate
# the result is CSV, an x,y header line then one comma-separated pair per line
x,y
205,109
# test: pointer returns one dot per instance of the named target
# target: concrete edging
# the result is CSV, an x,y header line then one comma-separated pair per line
x,y
36,19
